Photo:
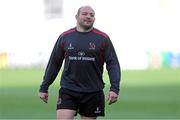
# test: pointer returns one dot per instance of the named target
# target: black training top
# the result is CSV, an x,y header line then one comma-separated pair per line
x,y
84,54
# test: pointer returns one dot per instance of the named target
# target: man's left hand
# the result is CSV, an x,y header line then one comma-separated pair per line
x,y
112,97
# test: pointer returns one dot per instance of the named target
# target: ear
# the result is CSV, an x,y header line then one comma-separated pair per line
x,y
76,16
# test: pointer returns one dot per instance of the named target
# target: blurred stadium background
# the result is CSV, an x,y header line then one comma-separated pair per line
x,y
145,34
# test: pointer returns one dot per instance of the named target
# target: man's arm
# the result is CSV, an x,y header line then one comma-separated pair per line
x,y
52,69
114,72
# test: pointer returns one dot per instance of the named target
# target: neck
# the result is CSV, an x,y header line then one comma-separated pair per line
x,y
80,29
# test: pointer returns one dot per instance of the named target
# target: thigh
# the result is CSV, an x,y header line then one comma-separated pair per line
x,y
92,105
67,100
65,114
87,118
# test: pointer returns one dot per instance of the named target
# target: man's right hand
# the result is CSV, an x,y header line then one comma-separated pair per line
x,y
43,96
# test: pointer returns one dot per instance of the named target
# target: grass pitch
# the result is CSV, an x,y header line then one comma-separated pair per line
x,y
149,94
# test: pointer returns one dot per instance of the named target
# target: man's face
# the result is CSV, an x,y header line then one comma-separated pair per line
x,y
85,18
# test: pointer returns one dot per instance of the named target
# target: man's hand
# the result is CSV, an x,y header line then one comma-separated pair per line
x,y
112,97
43,96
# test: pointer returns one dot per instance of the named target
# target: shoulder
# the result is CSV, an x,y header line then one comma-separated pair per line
x,y
72,30
99,32
66,34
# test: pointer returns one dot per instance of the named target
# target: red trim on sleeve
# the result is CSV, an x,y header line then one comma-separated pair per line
x,y
100,33
69,31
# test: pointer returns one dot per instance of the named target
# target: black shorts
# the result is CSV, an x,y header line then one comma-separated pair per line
x,y
86,104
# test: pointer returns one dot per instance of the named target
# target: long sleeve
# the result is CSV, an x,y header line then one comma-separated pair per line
x,y
54,65
112,66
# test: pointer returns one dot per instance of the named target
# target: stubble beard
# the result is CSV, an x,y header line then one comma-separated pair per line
x,y
86,27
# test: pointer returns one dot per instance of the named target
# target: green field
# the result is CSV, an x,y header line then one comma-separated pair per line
x,y
150,94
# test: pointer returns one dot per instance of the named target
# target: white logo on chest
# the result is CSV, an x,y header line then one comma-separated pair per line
x,y
92,46
70,47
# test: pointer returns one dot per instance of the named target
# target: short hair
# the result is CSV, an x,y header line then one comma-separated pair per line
x,y
79,10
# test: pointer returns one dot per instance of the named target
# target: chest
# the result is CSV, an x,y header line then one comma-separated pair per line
x,y
83,45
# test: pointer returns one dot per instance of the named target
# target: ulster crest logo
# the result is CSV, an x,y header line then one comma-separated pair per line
x,y
92,46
